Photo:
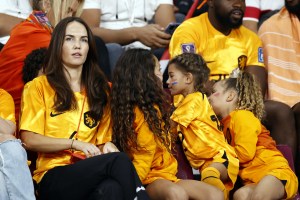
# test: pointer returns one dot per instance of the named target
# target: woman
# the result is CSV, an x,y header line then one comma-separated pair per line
x,y
33,33
68,109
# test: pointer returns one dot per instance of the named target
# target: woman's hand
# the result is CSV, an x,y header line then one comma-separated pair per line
x,y
88,149
109,147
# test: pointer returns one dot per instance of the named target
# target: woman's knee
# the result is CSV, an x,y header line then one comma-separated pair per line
x,y
121,157
108,189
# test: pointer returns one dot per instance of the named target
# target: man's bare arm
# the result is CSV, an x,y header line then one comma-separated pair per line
x,y
260,75
151,35
7,22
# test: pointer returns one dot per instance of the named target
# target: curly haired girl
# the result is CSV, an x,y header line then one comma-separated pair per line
x,y
265,172
140,115
194,119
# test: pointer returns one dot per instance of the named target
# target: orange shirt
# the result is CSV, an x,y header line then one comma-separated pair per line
x,y
24,38
280,35
38,116
152,161
7,106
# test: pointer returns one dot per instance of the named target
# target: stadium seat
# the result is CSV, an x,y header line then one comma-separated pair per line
x,y
184,169
287,153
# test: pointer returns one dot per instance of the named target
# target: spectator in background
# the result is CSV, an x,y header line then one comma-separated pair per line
x,y
33,64
15,178
280,35
124,24
12,13
34,32
257,11
221,40
225,44
183,7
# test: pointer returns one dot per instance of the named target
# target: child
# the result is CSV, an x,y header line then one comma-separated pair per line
x,y
140,117
203,142
263,169
33,64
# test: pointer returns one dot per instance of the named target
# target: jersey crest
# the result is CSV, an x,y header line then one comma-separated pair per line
x,y
89,121
242,62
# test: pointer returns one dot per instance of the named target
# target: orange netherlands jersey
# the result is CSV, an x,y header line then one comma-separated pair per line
x,y
257,151
152,161
7,106
241,48
38,116
202,139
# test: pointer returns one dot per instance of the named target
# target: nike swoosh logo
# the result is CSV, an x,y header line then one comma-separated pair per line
x,y
55,114
140,188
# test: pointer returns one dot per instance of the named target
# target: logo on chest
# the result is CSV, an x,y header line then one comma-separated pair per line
x,y
242,62
88,120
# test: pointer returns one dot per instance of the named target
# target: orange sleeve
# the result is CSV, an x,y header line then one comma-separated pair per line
x,y
7,106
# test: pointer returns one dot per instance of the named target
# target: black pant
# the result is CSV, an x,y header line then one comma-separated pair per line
x,y
110,175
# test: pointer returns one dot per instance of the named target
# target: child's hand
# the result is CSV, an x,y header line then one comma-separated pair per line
x,y
109,147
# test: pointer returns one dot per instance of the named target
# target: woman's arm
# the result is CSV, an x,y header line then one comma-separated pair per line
x,y
41,143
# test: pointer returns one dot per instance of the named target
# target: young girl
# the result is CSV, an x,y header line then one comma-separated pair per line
x,y
203,142
263,169
140,117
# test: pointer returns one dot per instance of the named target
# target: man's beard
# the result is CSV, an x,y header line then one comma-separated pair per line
x,y
229,22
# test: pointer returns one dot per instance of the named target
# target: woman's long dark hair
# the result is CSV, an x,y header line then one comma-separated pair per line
x,y
136,85
92,79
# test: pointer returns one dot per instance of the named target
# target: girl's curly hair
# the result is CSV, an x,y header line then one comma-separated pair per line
x,y
136,85
249,93
194,64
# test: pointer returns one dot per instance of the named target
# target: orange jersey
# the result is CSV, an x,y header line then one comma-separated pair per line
x,y
152,161
257,151
203,141
38,116
241,48
7,106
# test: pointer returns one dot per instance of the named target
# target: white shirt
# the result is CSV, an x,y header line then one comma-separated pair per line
x,y
119,14
16,8
255,8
